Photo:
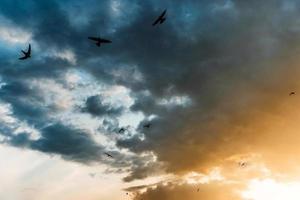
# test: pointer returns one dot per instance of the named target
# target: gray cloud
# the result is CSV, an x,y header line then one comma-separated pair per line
x,y
72,144
95,106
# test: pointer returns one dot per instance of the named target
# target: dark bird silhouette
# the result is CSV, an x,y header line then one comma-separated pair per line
x,y
122,130
99,40
26,54
147,125
242,164
292,93
161,19
108,155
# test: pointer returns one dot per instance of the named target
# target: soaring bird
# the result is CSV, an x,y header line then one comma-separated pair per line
x,y
147,125
292,93
242,164
99,40
122,130
108,155
26,54
161,19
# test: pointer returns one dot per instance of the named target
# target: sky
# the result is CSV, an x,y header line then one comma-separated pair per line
x,y
214,82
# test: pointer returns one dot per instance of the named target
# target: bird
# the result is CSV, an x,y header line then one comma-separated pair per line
x,y
292,93
161,19
242,164
26,54
147,125
122,130
99,40
108,155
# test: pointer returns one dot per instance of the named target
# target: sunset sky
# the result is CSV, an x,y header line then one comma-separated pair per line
x,y
218,82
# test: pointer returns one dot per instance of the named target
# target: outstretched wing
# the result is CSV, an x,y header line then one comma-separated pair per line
x,y
156,22
23,58
105,41
107,154
163,14
160,19
94,38
29,49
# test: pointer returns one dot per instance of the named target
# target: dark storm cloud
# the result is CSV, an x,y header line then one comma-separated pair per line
x,y
211,51
72,144
95,106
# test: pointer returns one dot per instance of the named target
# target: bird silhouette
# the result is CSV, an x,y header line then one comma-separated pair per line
x,y
122,130
26,54
147,125
161,19
242,164
292,93
99,40
108,155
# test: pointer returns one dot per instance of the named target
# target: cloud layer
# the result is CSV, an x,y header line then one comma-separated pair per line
x,y
212,81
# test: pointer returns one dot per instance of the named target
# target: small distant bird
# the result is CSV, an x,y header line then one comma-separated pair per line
x,y
242,164
26,54
161,19
147,125
292,93
99,40
122,130
108,155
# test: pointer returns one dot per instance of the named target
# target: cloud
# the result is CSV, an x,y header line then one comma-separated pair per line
x,y
95,106
213,191
235,61
70,143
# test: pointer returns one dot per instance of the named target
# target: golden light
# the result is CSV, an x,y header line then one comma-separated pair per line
x,y
271,189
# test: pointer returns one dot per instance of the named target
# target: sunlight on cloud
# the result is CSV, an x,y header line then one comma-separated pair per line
x,y
196,178
271,189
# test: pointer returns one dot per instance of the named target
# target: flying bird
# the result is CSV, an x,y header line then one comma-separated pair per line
x,y
99,40
26,54
292,93
161,19
242,164
108,155
122,130
147,125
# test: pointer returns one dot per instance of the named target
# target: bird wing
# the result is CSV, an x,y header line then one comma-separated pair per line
x,y
105,41
163,14
94,38
29,49
23,58
156,21
108,155
160,18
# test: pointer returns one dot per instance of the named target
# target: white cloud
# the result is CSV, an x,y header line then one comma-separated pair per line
x,y
12,34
